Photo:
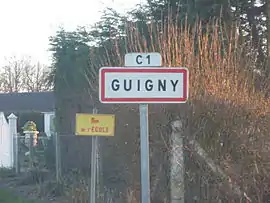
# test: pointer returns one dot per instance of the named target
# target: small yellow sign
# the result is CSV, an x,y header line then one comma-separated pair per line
x,y
95,124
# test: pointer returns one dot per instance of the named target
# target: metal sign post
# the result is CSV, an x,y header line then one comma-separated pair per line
x,y
144,136
93,166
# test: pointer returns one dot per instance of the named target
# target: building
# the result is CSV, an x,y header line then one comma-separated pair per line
x,y
43,102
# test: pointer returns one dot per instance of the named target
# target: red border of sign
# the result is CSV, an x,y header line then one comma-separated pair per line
x,y
104,70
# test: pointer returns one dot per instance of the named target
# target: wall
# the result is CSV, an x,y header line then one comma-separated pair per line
x,y
5,142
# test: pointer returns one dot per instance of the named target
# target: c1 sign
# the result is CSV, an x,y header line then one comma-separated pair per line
x,y
143,85
152,59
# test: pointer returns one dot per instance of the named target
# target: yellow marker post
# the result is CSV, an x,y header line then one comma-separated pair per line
x,y
95,124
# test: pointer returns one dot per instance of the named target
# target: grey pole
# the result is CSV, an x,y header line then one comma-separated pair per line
x,y
58,164
17,154
144,140
31,150
144,136
93,167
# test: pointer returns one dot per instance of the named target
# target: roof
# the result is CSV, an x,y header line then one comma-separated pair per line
x,y
28,101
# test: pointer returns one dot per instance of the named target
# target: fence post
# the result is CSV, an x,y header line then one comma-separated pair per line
x,y
31,150
31,142
177,174
12,122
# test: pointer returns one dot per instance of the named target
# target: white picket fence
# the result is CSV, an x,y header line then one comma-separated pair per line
x,y
7,132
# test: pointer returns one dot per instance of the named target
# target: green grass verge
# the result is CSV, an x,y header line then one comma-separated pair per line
x,y
4,172
8,197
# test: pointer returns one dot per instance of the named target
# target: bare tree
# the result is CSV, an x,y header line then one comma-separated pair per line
x,y
22,75
34,78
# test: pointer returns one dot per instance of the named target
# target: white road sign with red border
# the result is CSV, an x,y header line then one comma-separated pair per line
x,y
143,85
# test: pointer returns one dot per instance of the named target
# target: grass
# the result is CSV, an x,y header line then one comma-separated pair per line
x,y
5,172
8,197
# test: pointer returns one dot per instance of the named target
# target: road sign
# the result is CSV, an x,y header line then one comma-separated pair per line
x,y
143,59
95,124
143,85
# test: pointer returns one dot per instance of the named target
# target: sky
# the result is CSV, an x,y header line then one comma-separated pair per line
x,y
26,25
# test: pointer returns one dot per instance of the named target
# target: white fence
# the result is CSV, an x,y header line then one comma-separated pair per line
x,y
7,132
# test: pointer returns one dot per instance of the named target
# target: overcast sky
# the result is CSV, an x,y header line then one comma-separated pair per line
x,y
27,24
